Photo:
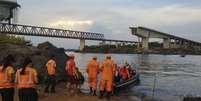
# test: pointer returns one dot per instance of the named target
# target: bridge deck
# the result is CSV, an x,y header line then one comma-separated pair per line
x,y
166,34
27,30
17,29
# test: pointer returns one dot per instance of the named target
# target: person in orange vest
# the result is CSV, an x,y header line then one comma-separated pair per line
x,y
26,81
70,69
107,69
6,79
51,75
92,71
124,73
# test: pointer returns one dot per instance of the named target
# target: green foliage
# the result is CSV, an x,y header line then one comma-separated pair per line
x,y
111,48
13,40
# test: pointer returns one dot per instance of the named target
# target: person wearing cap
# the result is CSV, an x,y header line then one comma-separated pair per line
x,y
107,69
51,75
92,71
70,69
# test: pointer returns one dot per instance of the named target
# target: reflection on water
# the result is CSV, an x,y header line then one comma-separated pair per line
x,y
175,76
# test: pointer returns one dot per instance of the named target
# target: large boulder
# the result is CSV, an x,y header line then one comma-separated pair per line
x,y
39,56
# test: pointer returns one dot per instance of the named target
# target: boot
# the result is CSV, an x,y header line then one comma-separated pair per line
x,y
46,90
94,93
108,95
91,91
101,94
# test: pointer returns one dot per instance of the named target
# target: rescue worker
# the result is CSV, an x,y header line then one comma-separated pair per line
x,y
70,69
6,79
131,71
26,80
124,73
107,70
51,75
92,71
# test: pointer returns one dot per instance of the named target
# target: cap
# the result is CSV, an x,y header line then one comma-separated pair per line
x,y
71,54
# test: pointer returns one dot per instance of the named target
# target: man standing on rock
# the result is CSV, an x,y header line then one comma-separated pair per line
x,y
51,75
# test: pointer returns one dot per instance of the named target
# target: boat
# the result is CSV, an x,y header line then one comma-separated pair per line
x,y
134,80
182,55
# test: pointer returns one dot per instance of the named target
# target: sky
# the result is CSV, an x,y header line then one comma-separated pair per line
x,y
112,17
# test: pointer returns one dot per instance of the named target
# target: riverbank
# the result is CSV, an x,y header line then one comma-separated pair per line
x,y
161,52
62,95
132,49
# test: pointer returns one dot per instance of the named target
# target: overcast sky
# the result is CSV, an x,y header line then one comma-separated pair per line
x,y
112,17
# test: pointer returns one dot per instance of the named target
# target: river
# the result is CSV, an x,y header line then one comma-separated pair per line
x,y
174,76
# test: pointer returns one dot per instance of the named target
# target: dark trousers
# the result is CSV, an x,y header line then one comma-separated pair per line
x,y
50,83
7,94
28,94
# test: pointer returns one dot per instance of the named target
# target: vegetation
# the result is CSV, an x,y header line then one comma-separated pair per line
x,y
110,48
13,40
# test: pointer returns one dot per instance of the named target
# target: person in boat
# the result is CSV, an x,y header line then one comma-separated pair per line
x,y
131,71
106,84
51,75
117,74
92,71
6,79
70,69
124,73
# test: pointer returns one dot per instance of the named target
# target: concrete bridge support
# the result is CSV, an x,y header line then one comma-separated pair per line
x,y
82,44
166,43
116,44
145,43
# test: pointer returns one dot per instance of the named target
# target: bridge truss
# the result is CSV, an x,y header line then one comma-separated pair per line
x,y
17,29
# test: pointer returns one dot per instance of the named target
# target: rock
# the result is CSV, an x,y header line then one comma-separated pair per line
x,y
39,56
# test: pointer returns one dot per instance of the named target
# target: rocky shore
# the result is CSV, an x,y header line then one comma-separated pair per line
x,y
39,55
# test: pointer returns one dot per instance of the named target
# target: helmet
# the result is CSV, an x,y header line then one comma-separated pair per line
x,y
94,57
108,55
71,54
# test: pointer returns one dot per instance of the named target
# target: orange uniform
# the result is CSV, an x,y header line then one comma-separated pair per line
x,y
70,67
108,69
6,77
28,80
51,67
92,70
124,73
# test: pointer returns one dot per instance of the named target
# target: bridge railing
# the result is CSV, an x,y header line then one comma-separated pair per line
x,y
47,32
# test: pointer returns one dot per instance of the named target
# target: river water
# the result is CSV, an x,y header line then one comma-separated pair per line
x,y
174,76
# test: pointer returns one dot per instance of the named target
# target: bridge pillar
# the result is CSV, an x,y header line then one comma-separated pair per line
x,y
116,44
103,43
145,43
175,44
82,44
166,43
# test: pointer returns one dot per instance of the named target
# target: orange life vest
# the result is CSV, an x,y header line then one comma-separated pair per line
x,y
108,69
92,69
27,80
124,73
5,79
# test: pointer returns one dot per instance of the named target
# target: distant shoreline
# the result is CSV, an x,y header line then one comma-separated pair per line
x,y
148,53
